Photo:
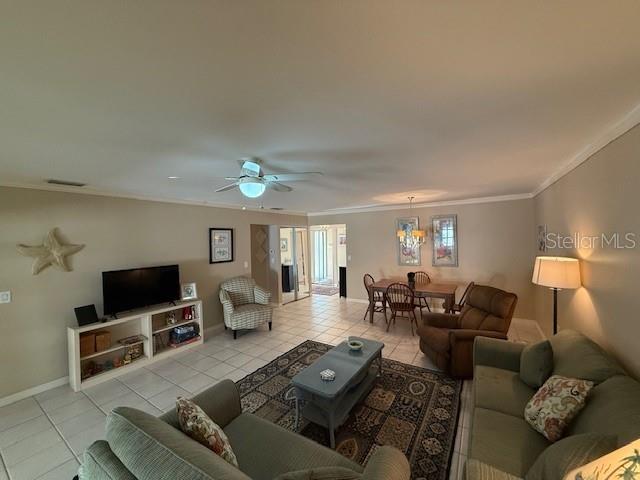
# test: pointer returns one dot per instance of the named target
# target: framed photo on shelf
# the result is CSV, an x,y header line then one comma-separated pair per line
x,y
445,240
220,245
188,291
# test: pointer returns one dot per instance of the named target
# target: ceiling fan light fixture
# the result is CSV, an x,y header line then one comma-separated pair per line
x,y
251,187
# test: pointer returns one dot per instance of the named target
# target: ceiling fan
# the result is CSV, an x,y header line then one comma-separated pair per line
x,y
252,181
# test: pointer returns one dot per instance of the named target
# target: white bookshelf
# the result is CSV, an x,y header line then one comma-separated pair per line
x,y
150,324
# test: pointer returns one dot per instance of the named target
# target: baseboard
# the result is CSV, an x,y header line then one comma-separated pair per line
x,y
30,392
216,329
357,300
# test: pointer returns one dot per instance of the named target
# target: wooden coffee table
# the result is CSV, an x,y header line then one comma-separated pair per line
x,y
329,403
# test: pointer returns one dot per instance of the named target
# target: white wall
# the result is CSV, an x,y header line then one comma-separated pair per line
x,y
496,242
118,233
600,196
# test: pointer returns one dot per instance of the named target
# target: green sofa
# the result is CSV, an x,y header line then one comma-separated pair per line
x,y
501,439
142,446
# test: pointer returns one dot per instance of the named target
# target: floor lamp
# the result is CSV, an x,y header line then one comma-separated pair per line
x,y
557,273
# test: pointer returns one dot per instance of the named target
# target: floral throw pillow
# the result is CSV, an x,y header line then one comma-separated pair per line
x,y
555,404
197,424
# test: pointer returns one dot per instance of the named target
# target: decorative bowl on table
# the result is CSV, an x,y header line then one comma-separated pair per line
x,y
355,345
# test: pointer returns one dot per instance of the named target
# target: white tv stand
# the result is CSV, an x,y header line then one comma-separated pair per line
x,y
149,323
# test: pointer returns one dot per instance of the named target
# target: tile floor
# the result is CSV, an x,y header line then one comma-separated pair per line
x,y
43,437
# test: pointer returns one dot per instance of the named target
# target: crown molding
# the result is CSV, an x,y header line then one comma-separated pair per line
x,y
115,194
611,133
608,135
446,203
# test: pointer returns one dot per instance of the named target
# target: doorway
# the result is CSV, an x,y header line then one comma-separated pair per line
x,y
329,253
294,254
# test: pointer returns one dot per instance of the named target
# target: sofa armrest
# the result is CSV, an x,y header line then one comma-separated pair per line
x,y
492,352
387,463
100,463
221,402
461,342
442,320
261,295
477,470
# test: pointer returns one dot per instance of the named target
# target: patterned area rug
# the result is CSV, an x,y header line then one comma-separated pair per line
x,y
411,408
324,289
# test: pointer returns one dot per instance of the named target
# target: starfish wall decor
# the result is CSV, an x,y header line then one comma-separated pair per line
x,y
51,252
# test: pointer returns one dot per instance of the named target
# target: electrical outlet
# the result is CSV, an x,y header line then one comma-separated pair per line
x,y
5,297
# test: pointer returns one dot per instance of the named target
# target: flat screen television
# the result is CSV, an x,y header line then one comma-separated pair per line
x,y
139,287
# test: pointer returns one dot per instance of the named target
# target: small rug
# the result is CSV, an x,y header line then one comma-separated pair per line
x,y
411,408
324,289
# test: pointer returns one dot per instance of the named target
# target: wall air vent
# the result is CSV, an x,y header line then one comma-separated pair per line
x,y
66,183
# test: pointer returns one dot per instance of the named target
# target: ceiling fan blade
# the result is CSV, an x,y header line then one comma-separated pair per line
x,y
279,187
291,177
227,187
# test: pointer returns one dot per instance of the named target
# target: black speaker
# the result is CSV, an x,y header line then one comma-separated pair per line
x,y
343,281
86,315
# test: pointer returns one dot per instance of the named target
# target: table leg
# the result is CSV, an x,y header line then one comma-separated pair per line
x,y
384,307
448,304
332,435
380,364
371,305
297,412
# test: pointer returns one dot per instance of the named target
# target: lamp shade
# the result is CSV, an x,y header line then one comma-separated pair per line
x,y
623,463
557,272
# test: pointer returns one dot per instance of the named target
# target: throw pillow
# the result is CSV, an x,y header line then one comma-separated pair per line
x,y
536,363
321,473
197,424
555,404
569,453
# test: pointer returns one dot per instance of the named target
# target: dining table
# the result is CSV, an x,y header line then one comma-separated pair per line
x,y
446,291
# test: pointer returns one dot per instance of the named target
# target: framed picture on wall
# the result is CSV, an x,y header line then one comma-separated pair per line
x,y
445,240
220,245
284,244
542,238
407,255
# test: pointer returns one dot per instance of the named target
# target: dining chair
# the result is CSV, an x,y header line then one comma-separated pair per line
x,y
457,307
422,301
400,298
379,304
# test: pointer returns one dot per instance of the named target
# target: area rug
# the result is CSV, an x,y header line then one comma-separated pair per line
x,y
324,289
411,408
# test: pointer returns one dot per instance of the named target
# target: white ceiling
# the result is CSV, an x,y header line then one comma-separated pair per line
x,y
452,100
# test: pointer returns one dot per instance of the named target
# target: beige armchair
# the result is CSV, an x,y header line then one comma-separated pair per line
x,y
245,305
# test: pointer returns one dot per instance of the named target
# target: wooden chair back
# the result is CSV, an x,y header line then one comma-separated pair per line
x,y
400,297
368,281
422,277
465,294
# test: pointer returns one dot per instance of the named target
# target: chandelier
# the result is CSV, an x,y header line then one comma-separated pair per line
x,y
410,237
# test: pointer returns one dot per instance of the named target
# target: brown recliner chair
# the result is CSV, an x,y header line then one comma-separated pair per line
x,y
447,339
